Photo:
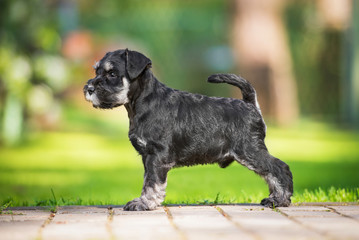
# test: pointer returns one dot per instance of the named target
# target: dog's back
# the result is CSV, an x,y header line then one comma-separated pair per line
x,y
205,130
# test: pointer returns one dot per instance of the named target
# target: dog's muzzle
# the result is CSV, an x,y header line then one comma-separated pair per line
x,y
90,95
90,89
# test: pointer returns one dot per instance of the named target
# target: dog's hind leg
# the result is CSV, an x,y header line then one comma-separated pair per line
x,y
280,181
276,173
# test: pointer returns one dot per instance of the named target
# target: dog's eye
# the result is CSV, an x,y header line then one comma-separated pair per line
x,y
112,74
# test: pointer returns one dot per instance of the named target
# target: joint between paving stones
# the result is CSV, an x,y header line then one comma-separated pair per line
x,y
293,219
110,216
170,219
341,214
45,223
239,226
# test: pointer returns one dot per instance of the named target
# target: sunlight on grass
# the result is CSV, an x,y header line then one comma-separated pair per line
x,y
71,151
101,167
44,179
234,184
313,142
330,195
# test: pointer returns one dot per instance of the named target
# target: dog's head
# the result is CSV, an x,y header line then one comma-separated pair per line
x,y
114,74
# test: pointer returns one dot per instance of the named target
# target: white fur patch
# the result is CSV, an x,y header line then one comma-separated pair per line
x,y
155,195
259,109
142,142
108,66
257,104
122,97
273,181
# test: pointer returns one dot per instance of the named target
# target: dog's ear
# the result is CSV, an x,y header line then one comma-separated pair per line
x,y
136,63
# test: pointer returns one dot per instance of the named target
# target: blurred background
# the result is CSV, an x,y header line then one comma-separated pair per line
x,y
301,56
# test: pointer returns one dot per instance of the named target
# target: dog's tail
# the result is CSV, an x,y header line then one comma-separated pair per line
x,y
248,92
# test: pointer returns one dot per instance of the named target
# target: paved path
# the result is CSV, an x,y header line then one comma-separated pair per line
x,y
325,221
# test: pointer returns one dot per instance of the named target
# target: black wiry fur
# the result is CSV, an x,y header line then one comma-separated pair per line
x,y
171,128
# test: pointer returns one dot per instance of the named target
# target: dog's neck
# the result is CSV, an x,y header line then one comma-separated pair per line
x,y
140,88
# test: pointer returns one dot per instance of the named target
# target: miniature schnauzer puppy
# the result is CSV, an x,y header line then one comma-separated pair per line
x,y
171,128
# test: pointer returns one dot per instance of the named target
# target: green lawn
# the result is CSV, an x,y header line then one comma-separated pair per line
x,y
90,161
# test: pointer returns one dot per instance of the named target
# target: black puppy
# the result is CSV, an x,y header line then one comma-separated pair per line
x,y
171,128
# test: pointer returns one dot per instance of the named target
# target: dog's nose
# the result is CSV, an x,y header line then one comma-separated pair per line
x,y
90,89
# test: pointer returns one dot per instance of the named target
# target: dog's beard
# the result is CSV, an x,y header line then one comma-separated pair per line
x,y
93,98
119,99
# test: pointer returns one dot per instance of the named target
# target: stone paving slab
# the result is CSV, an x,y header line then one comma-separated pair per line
x,y
193,222
77,223
264,223
142,225
18,224
326,221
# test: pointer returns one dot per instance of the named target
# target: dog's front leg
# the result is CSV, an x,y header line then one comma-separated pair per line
x,y
154,186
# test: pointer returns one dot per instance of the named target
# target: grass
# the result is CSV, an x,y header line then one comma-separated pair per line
x,y
4,207
91,162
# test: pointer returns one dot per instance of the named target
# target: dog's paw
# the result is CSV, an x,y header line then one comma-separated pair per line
x,y
274,202
136,205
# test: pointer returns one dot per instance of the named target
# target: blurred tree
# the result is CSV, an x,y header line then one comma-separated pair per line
x,y
350,84
335,18
323,41
262,52
31,71
351,101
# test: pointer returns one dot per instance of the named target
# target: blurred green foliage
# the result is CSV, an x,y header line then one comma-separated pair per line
x,y
31,70
176,34
34,74
187,41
